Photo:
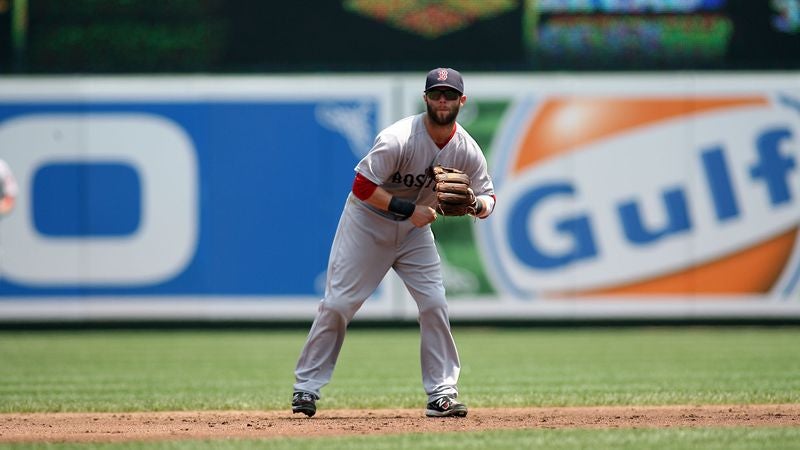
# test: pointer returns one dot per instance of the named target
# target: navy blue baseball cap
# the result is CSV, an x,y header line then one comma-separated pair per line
x,y
444,77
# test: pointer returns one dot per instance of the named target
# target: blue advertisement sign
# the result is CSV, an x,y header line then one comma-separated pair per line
x,y
189,197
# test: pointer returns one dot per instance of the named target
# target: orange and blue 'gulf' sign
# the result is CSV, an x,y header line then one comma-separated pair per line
x,y
659,196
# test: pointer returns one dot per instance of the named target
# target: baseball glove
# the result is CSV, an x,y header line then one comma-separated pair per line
x,y
454,197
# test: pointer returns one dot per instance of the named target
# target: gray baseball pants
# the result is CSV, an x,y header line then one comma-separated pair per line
x,y
365,247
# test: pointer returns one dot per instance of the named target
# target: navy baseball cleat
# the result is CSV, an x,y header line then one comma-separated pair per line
x,y
446,407
304,402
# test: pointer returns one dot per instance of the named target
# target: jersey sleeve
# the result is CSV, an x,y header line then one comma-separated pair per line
x,y
482,181
479,173
382,160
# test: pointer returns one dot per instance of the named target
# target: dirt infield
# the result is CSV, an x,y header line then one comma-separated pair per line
x,y
138,426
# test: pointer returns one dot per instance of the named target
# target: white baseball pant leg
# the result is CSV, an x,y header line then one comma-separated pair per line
x,y
365,247
361,254
419,266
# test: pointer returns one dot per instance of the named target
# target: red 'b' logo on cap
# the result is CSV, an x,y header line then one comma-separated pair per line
x,y
442,75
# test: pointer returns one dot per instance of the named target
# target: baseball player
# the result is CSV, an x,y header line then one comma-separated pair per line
x,y
8,189
386,224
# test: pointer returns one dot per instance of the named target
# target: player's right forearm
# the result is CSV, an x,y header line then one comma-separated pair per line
x,y
384,200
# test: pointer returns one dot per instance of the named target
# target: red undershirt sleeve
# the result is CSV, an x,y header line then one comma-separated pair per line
x,y
362,187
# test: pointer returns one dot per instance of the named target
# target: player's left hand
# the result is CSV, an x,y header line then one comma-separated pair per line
x,y
454,196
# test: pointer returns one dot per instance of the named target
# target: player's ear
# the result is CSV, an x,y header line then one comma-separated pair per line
x,y
463,100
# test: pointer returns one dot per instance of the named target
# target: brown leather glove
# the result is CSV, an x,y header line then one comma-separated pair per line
x,y
454,196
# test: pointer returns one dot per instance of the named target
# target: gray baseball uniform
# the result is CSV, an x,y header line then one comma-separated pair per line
x,y
370,241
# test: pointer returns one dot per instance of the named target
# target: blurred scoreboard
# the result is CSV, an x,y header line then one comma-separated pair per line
x,y
662,34
627,34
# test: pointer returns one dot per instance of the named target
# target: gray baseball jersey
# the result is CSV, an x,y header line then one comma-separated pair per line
x,y
370,241
403,153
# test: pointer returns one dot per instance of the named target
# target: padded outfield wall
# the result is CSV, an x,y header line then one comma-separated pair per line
x,y
619,196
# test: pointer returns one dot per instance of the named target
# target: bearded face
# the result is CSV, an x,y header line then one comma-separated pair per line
x,y
442,112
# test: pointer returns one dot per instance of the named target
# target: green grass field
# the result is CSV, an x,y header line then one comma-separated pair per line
x,y
190,370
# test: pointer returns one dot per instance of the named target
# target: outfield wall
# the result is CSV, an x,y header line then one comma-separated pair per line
x,y
619,196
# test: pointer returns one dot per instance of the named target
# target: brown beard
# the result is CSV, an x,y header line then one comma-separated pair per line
x,y
448,119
